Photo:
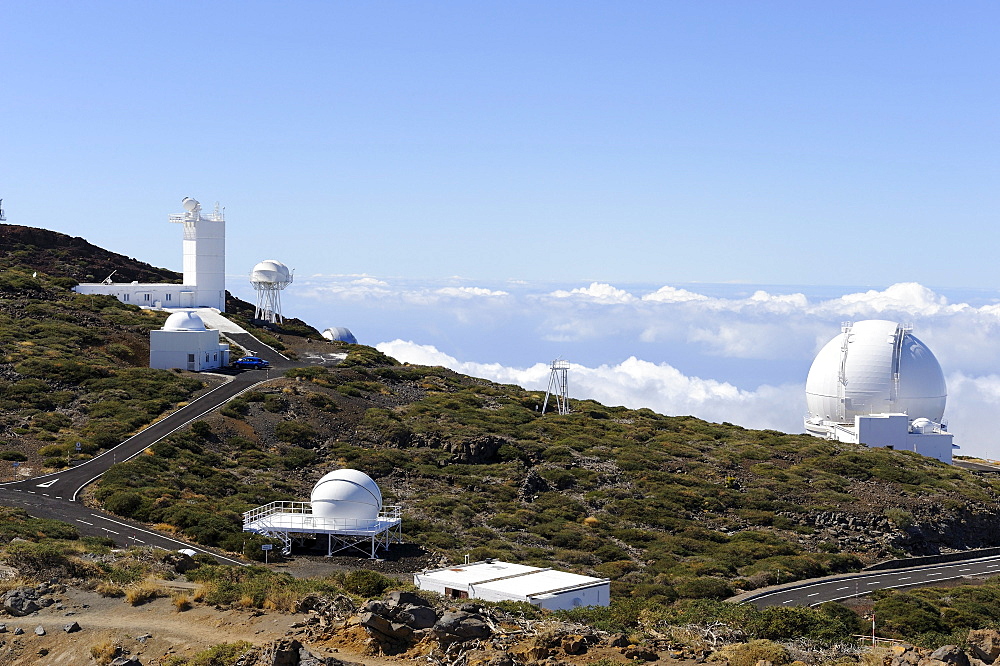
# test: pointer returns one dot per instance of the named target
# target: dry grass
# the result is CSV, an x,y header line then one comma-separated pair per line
x,y
142,592
748,654
109,589
181,602
284,601
105,652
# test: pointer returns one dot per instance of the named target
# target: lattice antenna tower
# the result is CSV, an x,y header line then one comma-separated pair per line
x,y
558,386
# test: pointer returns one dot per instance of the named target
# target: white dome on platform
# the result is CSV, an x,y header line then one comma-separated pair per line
x,y
875,367
185,320
346,493
270,271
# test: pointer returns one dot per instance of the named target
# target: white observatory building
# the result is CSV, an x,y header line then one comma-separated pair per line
x,y
204,282
185,343
877,384
269,278
345,505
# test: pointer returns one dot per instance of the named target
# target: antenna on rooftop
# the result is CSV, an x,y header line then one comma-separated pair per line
x,y
558,381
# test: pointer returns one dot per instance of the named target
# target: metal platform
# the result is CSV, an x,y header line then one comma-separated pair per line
x,y
292,522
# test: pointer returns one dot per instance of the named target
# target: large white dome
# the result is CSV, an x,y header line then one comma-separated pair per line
x,y
875,367
348,494
185,320
270,271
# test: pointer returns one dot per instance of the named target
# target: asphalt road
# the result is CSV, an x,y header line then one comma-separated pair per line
x,y
844,587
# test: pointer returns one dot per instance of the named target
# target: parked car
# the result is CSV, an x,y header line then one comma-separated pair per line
x,y
251,362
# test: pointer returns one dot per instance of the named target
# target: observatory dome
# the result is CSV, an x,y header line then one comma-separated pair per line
x,y
341,334
185,320
875,367
270,271
346,493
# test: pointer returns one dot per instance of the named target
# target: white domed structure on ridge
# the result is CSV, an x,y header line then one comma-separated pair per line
x,y
184,320
340,334
878,384
346,494
268,278
875,367
270,271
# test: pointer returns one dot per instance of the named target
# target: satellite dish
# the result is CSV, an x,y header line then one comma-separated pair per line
x,y
190,204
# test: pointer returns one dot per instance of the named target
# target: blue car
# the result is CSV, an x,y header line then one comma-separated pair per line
x,y
251,362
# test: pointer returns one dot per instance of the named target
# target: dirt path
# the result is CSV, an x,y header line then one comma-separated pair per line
x,y
170,633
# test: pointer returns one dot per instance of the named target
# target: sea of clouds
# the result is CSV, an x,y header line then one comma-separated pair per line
x,y
732,353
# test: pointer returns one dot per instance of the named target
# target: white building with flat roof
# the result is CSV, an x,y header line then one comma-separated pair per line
x,y
493,580
185,343
204,254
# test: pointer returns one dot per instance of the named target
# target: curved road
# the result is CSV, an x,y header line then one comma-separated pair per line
x,y
54,495
843,587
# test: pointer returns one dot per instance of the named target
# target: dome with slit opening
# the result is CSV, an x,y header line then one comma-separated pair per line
x,y
347,494
875,367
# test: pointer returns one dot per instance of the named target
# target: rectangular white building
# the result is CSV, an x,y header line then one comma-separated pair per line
x,y
894,431
493,580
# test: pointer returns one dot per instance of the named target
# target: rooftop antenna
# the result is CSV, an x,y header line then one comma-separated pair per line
x,y
3,218
558,381
107,280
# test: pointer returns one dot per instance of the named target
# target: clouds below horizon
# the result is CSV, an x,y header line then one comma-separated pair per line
x,y
733,353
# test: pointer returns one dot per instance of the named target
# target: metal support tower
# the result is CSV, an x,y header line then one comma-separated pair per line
x,y
558,381
3,218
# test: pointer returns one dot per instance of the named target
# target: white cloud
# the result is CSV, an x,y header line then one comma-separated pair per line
x,y
469,292
673,295
597,291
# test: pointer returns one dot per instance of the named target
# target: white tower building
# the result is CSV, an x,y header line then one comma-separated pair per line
x,y
204,254
268,279
877,384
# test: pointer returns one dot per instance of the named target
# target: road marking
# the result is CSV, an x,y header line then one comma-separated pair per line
x,y
107,530
47,483
841,588
965,569
84,522
45,494
787,602
814,594
908,577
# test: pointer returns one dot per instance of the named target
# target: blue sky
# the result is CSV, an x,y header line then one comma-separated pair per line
x,y
507,151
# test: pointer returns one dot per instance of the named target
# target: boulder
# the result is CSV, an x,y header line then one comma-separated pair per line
x,y
462,625
126,661
72,627
637,653
377,624
39,630
985,644
574,645
398,598
951,654
18,631
21,601
417,617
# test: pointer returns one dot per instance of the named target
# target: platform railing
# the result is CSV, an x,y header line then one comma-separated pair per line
x,y
309,521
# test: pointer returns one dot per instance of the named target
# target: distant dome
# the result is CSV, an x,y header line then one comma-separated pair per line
x,y
185,320
341,334
270,271
876,367
346,493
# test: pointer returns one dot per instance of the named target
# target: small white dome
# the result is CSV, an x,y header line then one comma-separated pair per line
x,y
270,271
185,320
348,494
877,367
341,334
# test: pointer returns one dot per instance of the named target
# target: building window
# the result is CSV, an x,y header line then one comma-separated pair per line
x,y
452,593
190,358
125,298
167,297
146,297
215,356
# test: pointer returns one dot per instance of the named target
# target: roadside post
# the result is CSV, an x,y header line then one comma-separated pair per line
x,y
266,548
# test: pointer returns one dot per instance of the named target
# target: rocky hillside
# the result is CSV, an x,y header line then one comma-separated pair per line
x,y
665,506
